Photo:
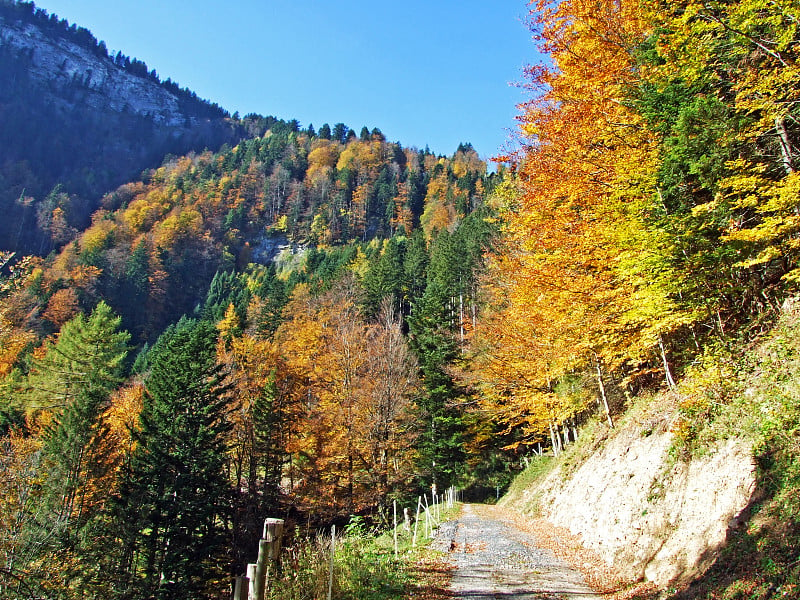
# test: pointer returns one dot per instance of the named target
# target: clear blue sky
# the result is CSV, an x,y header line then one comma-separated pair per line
x,y
426,72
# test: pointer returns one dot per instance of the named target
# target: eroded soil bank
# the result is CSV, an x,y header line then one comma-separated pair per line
x,y
650,517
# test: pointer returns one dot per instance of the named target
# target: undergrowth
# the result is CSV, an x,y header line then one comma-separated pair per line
x,y
365,566
754,395
518,490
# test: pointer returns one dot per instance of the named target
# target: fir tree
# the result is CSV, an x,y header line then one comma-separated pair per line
x,y
74,379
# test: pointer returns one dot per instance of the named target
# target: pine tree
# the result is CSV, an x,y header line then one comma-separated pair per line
x,y
433,327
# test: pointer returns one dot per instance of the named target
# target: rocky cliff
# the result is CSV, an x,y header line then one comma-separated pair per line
x,y
72,115
72,76
647,514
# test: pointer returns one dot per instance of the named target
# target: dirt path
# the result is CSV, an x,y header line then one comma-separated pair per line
x,y
494,560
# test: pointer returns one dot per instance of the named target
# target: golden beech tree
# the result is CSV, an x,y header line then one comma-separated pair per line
x,y
390,387
264,410
115,443
62,306
356,384
568,293
20,497
13,340
742,58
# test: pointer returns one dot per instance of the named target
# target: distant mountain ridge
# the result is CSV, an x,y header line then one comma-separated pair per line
x,y
75,116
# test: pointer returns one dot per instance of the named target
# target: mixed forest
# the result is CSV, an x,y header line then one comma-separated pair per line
x,y
316,323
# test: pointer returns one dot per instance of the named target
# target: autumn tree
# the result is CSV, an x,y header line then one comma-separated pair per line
x,y
265,414
356,382
721,88
392,386
573,284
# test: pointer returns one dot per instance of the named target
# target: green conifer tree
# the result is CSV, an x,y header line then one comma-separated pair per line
x,y
170,506
74,379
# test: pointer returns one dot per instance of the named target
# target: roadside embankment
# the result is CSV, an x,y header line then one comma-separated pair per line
x,y
647,515
696,485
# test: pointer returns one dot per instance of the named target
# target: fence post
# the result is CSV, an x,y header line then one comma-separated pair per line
x,y
261,569
240,588
251,579
273,534
394,510
416,522
269,548
427,516
330,569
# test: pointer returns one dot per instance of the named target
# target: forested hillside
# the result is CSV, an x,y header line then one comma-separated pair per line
x,y
316,289
78,122
314,323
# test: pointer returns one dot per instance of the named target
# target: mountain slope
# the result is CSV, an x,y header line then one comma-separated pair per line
x,y
694,488
75,116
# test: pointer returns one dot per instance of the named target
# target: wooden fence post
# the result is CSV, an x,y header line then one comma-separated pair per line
x,y
330,569
240,588
427,516
261,569
416,522
394,510
269,548
251,579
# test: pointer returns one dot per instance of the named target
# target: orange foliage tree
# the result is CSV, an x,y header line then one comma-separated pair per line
x,y
352,448
567,290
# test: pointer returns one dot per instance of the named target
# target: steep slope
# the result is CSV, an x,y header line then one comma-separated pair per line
x,y
696,487
154,247
73,115
649,516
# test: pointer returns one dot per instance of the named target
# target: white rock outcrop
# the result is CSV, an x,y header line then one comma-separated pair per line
x,y
59,63
650,517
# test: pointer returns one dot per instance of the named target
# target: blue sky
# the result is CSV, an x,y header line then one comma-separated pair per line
x,y
426,72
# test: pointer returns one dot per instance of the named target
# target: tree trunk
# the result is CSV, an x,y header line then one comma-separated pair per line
x,y
554,440
786,146
603,391
667,373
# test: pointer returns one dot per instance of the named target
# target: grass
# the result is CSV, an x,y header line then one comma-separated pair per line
x,y
538,469
365,566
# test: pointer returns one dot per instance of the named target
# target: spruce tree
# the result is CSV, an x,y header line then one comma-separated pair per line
x,y
74,380
172,501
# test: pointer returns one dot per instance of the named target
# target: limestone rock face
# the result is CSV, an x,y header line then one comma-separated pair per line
x,y
72,116
650,517
59,64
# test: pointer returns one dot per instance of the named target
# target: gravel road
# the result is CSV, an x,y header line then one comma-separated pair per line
x,y
494,560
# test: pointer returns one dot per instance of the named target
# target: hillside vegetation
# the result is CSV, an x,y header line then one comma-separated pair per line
x,y
316,323
696,485
78,122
